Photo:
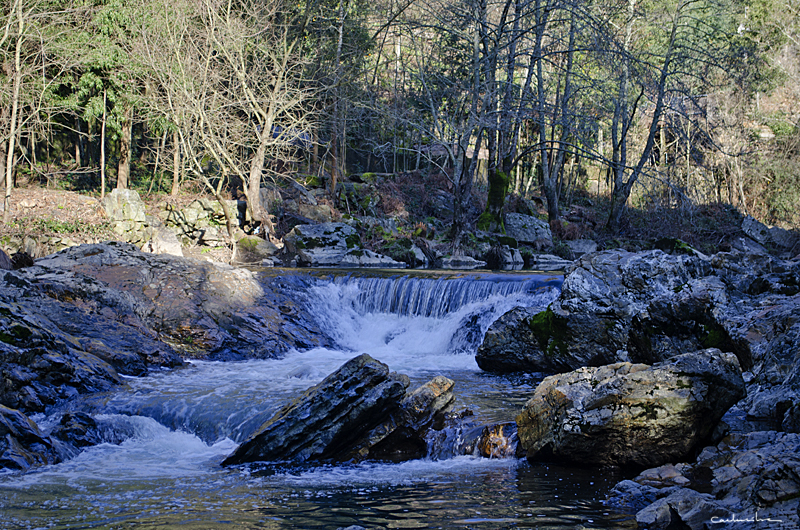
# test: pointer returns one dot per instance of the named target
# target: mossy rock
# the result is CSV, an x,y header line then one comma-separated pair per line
x,y
550,331
508,241
353,241
673,245
489,222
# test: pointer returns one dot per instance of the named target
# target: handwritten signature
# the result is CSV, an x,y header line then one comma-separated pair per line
x,y
735,519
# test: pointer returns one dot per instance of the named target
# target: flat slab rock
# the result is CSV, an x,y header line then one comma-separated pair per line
x,y
359,411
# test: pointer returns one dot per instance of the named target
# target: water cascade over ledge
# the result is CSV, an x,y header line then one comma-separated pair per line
x,y
167,432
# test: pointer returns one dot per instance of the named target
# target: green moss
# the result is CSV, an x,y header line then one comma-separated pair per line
x,y
485,221
312,181
498,188
550,332
308,242
713,337
491,220
15,334
674,245
353,241
507,241
248,243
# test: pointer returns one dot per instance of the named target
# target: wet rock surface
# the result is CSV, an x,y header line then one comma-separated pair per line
x,y
746,481
630,414
76,321
22,444
360,411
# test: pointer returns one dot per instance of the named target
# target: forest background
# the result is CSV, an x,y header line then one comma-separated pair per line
x,y
646,111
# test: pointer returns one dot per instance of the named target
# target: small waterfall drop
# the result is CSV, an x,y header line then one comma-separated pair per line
x,y
422,318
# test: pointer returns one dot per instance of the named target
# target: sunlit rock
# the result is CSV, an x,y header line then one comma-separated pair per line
x,y
333,245
630,414
528,229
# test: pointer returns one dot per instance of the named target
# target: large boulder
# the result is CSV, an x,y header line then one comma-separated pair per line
x,y
528,229
360,411
631,414
254,249
333,245
772,237
521,340
134,310
746,481
648,307
42,363
589,323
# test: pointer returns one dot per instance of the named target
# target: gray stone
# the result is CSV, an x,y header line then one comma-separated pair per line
x,y
685,508
359,412
253,249
322,245
579,247
775,237
747,245
359,258
511,344
420,258
630,414
528,229
548,262
504,257
5,261
589,323
754,483
462,263
163,241
124,205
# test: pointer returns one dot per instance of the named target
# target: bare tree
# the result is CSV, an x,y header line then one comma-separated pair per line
x,y
230,80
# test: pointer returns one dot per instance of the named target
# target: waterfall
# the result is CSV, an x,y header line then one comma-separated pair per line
x,y
432,316
435,297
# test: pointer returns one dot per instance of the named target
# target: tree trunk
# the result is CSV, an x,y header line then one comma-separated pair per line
x,y
176,164
257,211
12,136
124,166
103,149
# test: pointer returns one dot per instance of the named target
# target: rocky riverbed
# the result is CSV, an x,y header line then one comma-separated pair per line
x,y
653,349
617,309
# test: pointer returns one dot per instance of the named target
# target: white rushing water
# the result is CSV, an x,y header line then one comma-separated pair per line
x,y
177,426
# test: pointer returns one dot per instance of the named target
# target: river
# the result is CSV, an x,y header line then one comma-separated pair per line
x,y
168,432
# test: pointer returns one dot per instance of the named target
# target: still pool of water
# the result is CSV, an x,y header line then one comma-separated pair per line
x,y
177,426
